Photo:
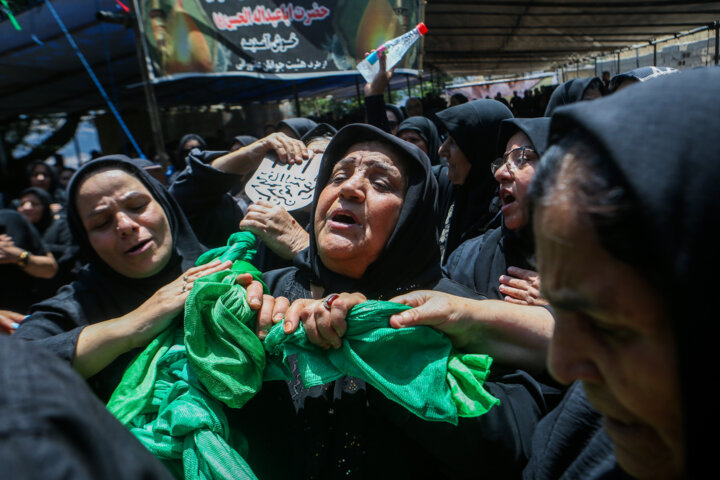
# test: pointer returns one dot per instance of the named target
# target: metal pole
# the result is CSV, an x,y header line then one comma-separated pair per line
x,y
595,68
144,59
654,54
357,91
422,92
618,61
298,113
407,82
637,58
717,42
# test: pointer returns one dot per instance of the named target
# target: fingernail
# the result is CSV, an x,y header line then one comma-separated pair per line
x,y
286,327
278,318
255,302
15,325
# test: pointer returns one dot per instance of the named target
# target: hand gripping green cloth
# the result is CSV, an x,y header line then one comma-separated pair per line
x,y
171,396
415,367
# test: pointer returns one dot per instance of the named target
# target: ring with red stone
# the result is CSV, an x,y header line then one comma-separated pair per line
x,y
328,301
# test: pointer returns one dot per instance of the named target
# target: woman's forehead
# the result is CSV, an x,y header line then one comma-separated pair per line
x,y
109,181
519,139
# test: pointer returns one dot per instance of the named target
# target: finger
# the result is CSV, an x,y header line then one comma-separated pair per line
x,y
408,318
520,294
281,307
292,315
310,317
265,317
522,273
244,279
413,299
515,301
515,282
328,323
255,294
194,271
252,226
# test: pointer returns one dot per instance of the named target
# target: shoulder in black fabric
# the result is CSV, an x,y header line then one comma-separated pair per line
x,y
299,125
659,136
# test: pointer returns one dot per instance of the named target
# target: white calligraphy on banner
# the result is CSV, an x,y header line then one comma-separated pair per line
x,y
290,186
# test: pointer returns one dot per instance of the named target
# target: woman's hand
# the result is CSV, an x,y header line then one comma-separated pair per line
x,y
450,314
381,79
9,252
323,320
101,343
277,228
154,316
9,321
271,312
246,160
522,287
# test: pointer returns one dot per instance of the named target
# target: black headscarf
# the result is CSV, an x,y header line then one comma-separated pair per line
x,y
641,74
319,130
182,152
536,129
299,125
100,293
396,110
411,258
474,126
244,140
428,131
57,193
658,135
479,262
570,92
47,216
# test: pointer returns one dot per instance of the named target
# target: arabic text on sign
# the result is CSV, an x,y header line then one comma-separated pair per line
x,y
285,14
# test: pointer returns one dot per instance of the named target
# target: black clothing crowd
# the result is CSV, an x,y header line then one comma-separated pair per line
x,y
465,228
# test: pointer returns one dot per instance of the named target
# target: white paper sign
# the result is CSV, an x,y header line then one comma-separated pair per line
x,y
290,186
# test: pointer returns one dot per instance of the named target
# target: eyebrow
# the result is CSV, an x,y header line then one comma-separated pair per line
x,y
127,196
371,163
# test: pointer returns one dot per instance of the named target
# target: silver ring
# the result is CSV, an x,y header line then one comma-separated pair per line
x,y
185,278
184,287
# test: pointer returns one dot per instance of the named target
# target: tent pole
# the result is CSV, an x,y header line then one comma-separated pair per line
x,y
407,82
654,54
717,42
144,60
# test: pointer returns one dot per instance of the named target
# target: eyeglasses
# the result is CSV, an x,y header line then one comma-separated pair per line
x,y
515,159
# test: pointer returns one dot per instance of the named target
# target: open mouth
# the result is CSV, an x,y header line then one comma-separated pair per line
x,y
138,247
344,217
506,197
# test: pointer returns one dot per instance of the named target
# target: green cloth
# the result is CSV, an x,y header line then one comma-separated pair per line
x,y
415,367
172,395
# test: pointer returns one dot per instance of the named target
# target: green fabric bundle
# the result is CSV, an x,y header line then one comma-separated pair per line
x,y
415,367
172,395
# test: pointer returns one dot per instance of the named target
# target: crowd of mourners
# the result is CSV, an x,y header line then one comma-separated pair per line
x,y
575,248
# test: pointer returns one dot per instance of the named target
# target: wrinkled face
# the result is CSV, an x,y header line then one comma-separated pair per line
x,y
414,137
31,208
514,183
359,207
40,177
126,226
458,164
613,334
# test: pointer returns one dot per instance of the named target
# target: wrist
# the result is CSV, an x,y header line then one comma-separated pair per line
x,y
23,259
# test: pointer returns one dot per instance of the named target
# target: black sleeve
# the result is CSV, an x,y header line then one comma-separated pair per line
x,y
498,444
203,193
55,324
375,112
461,263
52,426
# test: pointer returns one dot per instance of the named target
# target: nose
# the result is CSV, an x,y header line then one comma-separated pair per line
x,y
504,174
569,357
124,224
354,188
442,151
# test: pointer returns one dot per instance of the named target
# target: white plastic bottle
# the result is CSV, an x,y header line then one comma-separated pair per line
x,y
395,48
